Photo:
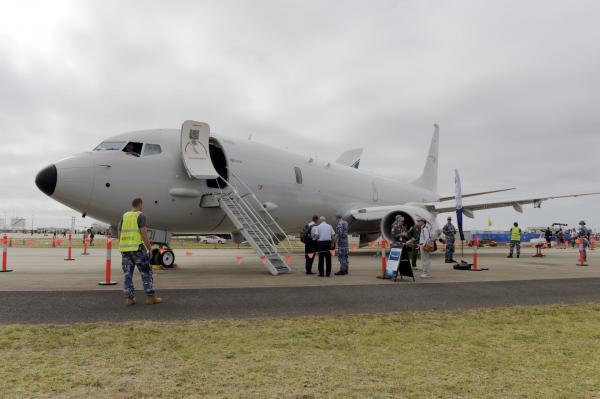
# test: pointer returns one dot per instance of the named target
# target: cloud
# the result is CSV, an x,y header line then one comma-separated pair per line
x,y
513,85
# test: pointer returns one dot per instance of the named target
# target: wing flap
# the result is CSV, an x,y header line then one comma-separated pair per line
x,y
450,198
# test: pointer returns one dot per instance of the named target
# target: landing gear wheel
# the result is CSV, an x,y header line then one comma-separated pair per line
x,y
167,259
155,259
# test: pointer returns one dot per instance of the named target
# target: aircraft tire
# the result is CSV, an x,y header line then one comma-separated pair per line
x,y
167,259
155,260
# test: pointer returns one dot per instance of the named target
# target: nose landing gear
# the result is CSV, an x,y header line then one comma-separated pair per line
x,y
163,256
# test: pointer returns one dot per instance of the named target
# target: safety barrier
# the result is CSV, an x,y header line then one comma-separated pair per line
x,y
107,271
582,260
592,243
382,245
70,248
476,267
85,244
5,254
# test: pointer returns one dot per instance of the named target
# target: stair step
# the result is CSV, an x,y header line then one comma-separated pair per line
x,y
255,229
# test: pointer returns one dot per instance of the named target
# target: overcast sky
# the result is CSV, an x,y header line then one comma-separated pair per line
x,y
514,86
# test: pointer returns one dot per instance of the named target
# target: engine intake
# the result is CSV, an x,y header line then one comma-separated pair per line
x,y
388,220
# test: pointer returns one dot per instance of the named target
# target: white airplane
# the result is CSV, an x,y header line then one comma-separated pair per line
x,y
193,182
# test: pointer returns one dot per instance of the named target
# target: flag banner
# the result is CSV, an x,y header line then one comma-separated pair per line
x,y
459,214
288,259
239,260
263,260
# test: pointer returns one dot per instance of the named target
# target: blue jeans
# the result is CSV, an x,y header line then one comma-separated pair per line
x,y
129,262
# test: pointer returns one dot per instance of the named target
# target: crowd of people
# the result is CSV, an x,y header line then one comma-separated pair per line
x,y
567,237
321,240
563,238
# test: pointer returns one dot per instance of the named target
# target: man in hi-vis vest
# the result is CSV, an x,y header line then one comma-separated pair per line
x,y
515,240
136,251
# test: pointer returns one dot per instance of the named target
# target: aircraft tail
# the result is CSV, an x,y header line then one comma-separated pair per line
x,y
429,178
350,158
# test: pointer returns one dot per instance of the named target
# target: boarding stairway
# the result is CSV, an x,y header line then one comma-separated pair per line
x,y
255,223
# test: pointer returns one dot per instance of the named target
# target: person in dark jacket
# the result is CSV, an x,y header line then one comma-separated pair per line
x,y
310,244
412,245
548,235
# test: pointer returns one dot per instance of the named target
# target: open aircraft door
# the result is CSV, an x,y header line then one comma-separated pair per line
x,y
194,150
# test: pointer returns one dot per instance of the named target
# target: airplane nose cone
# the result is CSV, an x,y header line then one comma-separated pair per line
x,y
46,180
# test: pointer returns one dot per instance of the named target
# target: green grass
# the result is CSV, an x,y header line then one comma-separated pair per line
x,y
524,352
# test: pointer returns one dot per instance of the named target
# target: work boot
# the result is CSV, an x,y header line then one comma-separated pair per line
x,y
153,300
129,301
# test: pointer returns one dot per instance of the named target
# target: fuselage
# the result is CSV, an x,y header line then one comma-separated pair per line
x,y
102,183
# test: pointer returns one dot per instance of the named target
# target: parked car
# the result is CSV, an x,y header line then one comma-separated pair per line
x,y
212,240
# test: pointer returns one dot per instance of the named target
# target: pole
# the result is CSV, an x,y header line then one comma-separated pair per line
x,y
69,249
382,245
475,245
5,254
581,253
85,244
107,280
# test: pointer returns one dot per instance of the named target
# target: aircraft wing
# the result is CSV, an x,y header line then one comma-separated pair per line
x,y
516,203
350,158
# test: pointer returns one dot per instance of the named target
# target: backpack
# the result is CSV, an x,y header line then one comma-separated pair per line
x,y
305,234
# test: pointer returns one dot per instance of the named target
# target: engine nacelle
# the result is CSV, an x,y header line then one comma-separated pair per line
x,y
410,213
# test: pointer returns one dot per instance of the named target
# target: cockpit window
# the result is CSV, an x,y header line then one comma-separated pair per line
x,y
151,149
110,146
133,148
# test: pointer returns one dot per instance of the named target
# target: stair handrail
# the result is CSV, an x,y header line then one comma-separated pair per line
x,y
246,208
263,209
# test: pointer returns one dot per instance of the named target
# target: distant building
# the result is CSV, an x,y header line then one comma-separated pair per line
x,y
17,224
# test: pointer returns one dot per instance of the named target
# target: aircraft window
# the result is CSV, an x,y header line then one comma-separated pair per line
x,y
133,148
151,149
110,146
298,174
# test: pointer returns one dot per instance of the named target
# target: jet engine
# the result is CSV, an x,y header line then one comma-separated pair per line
x,y
410,214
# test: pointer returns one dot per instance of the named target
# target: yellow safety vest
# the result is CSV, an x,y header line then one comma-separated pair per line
x,y
515,234
131,239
